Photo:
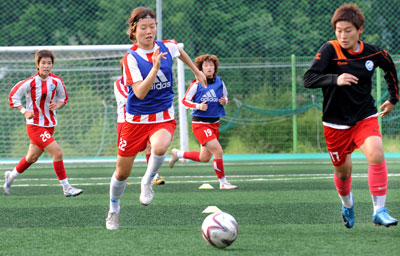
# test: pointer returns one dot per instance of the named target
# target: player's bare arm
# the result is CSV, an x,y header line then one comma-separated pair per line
x,y
200,77
56,105
346,79
27,114
141,88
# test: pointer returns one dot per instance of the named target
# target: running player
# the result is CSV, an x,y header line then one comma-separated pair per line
x,y
121,95
149,110
44,93
343,68
208,106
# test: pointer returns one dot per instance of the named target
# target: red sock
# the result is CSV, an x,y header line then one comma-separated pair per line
x,y
147,158
22,165
343,187
60,170
192,155
377,179
218,165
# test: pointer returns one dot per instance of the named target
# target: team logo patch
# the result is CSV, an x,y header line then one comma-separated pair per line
x,y
52,87
369,65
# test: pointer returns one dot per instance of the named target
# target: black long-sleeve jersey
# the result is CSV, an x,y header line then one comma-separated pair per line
x,y
346,105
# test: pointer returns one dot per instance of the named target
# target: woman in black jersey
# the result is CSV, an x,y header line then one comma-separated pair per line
x,y
343,69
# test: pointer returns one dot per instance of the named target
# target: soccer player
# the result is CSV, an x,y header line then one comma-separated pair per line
x,y
343,68
121,95
149,109
44,93
208,106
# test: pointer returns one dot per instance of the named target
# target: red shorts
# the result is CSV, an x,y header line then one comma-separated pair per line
x,y
134,137
341,142
205,132
40,136
119,128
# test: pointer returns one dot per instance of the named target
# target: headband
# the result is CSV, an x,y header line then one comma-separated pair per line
x,y
145,17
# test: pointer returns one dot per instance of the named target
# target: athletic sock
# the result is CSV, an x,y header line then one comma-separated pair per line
x,y
223,180
377,182
154,165
343,187
218,165
22,165
378,202
60,170
117,188
192,155
65,183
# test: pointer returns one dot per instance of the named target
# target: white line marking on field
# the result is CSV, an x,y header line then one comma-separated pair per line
x,y
202,179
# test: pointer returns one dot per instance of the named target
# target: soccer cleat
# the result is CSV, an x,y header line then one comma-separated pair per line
x,y
7,185
174,158
382,217
71,191
158,181
348,216
227,185
112,221
146,194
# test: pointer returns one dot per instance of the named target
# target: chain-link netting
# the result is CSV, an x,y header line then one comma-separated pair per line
x,y
253,39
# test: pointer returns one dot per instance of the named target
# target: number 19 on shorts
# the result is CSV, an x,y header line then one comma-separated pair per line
x,y
208,132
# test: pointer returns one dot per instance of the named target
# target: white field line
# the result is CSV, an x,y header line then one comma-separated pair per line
x,y
203,179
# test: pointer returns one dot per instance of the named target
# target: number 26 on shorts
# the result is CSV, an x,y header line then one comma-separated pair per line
x,y
45,136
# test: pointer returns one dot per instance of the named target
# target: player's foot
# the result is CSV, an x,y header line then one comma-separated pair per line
x,y
382,217
71,191
112,221
158,181
146,194
7,185
227,185
174,158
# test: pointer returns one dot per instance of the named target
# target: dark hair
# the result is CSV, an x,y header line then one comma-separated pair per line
x,y
200,59
43,53
348,12
121,64
136,15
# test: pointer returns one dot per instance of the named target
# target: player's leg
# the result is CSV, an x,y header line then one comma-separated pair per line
x,y
160,136
377,180
342,180
157,180
31,157
55,151
214,147
117,188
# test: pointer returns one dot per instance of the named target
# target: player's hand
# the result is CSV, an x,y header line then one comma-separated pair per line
x,y
201,78
28,114
222,101
53,105
346,79
387,107
203,106
156,58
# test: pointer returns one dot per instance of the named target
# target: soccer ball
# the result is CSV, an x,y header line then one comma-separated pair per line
x,y
219,229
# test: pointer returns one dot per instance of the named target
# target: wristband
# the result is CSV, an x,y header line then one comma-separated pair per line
x,y
22,110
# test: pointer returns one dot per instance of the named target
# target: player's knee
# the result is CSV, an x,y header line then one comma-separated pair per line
x,y
376,157
205,159
31,159
58,154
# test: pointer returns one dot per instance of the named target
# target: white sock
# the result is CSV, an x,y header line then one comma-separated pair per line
x,y
156,176
179,153
378,202
223,180
154,165
12,176
347,201
65,183
117,188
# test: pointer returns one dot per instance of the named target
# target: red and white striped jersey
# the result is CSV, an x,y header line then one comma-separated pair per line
x,y
121,95
39,93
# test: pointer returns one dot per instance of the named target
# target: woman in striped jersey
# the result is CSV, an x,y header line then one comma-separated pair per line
x,y
149,110
208,106
44,93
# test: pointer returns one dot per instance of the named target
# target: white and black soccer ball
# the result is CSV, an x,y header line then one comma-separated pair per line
x,y
219,229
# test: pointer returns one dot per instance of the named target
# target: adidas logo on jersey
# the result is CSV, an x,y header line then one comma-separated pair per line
x,y
209,97
161,81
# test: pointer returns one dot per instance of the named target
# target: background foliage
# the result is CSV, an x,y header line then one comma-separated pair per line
x,y
253,39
